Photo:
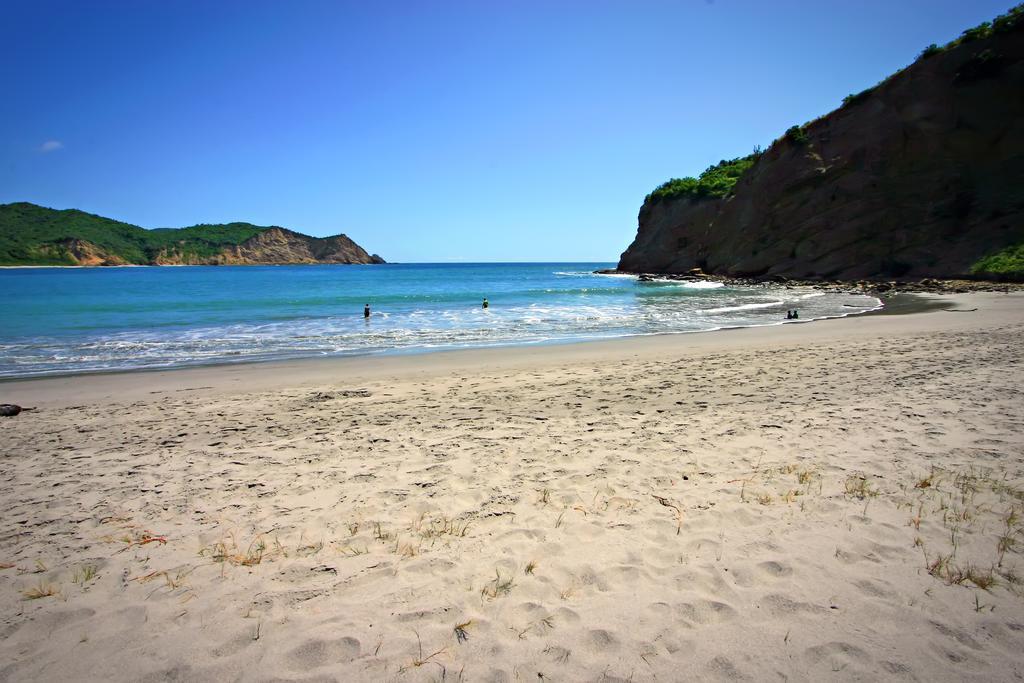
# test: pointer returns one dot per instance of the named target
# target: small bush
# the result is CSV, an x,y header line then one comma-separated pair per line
x,y
982,30
797,135
929,51
857,98
1007,262
1013,19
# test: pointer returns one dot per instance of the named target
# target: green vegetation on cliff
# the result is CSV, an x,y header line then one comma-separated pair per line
x,y
715,181
1006,263
980,65
718,180
1013,20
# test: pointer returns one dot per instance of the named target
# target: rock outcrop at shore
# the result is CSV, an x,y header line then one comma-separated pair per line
x,y
922,176
36,235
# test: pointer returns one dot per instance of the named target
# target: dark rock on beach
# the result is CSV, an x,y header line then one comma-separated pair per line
x,y
10,410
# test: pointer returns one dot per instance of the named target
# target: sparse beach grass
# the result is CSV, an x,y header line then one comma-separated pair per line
x,y
41,590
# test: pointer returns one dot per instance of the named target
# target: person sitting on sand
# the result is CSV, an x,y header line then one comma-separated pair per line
x,y
796,316
366,311
789,315
486,305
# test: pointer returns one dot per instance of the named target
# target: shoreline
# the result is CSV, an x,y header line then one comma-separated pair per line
x,y
912,311
893,304
906,306
907,303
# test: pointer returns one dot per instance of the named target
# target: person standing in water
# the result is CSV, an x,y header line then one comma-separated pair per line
x,y
366,311
486,305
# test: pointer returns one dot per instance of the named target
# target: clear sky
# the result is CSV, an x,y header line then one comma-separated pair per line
x,y
427,131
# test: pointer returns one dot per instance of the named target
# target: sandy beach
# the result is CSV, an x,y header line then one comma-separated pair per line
x,y
831,500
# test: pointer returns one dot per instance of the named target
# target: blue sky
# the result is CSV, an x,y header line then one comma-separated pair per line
x,y
426,131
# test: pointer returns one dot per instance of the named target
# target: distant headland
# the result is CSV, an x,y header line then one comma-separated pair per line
x,y
32,235
921,175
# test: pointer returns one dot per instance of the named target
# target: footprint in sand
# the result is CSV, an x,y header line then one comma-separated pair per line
x,y
705,612
775,569
602,640
315,652
837,654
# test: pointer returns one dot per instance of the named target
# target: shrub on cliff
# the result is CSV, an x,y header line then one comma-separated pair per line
x,y
857,98
715,181
1012,20
797,135
1008,262
982,30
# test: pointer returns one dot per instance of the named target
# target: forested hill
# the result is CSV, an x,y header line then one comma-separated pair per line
x,y
32,235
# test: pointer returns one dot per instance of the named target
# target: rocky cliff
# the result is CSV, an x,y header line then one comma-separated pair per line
x,y
923,175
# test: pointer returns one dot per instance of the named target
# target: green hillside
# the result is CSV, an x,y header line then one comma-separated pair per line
x,y
35,235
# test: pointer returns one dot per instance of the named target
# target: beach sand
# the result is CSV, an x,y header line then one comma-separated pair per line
x,y
830,500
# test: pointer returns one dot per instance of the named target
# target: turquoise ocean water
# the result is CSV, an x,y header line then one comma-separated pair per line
x,y
70,320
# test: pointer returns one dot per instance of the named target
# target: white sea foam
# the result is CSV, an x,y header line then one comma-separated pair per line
x,y
743,307
700,284
629,276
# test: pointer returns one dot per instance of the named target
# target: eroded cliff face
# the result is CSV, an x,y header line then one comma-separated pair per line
x,y
276,246
80,252
921,177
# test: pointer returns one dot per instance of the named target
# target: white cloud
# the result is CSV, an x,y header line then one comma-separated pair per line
x,y
51,146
